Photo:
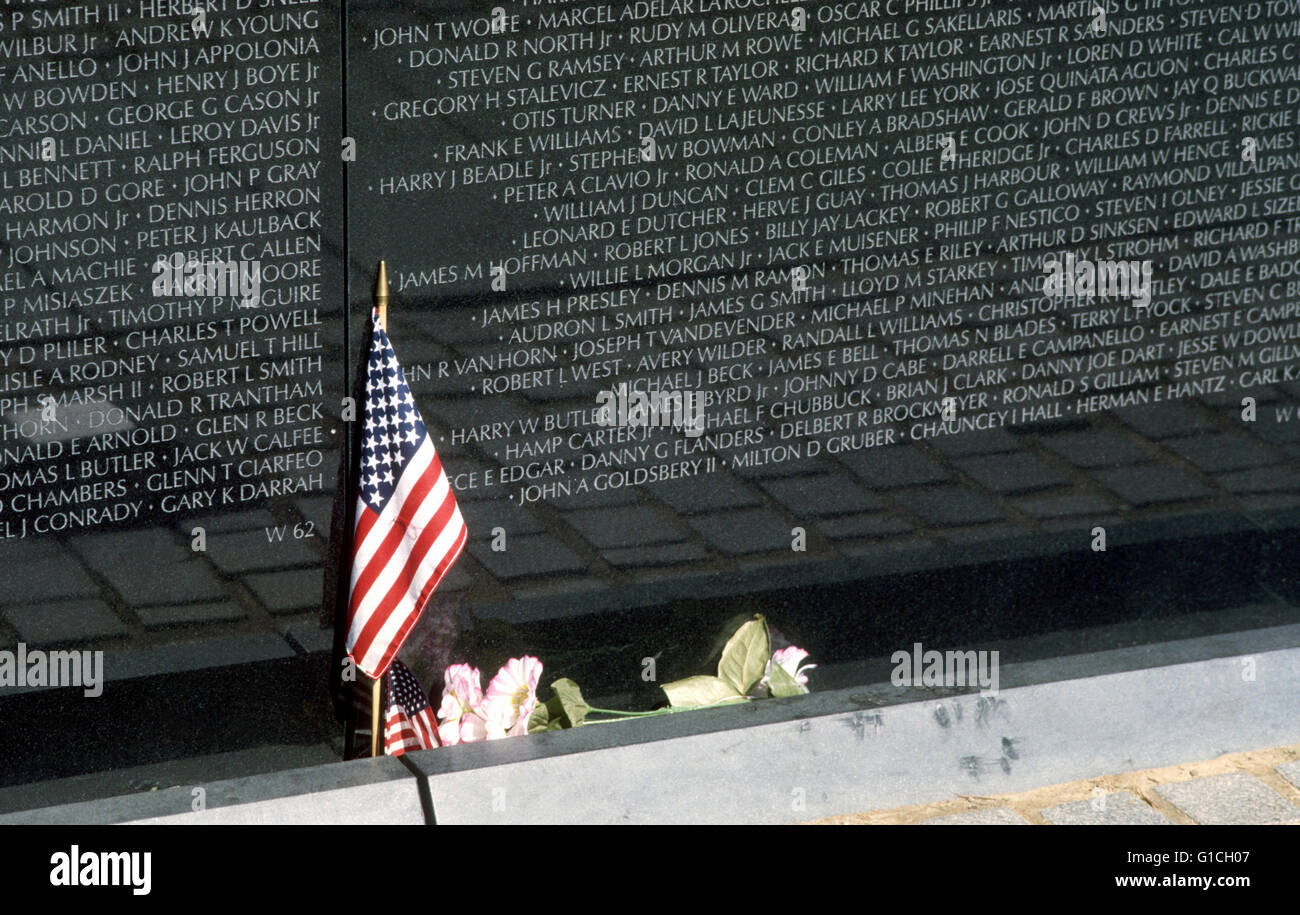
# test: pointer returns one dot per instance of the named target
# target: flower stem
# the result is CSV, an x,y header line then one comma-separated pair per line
x,y
611,711
659,711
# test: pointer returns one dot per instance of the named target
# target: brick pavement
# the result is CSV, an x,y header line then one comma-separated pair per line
x,y
1257,787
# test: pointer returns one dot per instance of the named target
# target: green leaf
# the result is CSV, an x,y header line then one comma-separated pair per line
x,y
782,684
744,659
539,719
701,690
548,716
571,701
566,709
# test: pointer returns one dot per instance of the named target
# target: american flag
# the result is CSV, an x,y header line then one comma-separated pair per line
x,y
408,530
409,723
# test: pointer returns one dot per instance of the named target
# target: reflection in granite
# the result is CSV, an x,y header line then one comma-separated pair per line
x,y
952,539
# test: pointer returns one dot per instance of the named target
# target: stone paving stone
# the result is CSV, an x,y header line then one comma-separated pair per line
x,y
1270,502
882,547
1151,484
1230,399
855,527
1000,533
1232,799
894,466
1121,809
950,505
1261,479
150,567
662,555
1291,772
979,441
577,588
1216,452
1096,448
318,510
456,579
481,517
788,468
470,413
1165,420
288,591
1082,527
65,622
40,571
195,654
1269,429
310,637
753,531
623,526
533,554
1010,473
691,495
232,521
180,614
592,498
542,396
22,550
994,816
822,495
1065,505
250,551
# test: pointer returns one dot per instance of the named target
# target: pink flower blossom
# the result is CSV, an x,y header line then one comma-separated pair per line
x,y
788,660
460,711
511,697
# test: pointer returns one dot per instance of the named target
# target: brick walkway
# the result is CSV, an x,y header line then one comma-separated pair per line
x,y
1253,788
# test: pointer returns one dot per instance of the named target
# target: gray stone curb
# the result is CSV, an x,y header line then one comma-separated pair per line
x,y
361,792
775,761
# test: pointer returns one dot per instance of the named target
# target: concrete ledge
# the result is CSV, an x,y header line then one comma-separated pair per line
x,y
878,747
195,770
799,759
365,791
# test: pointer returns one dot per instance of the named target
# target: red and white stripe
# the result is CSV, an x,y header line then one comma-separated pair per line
x,y
399,557
403,733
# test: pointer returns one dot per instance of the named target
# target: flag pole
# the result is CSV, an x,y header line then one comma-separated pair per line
x,y
381,304
381,294
374,715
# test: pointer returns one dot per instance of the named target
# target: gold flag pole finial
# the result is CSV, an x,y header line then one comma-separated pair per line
x,y
381,294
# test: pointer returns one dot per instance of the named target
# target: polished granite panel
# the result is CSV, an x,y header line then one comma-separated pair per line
x,y
795,248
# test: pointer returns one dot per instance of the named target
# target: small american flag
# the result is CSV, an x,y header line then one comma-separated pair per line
x,y
409,724
408,530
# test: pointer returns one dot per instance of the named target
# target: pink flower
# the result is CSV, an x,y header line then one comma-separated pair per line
x,y
512,697
788,659
462,698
